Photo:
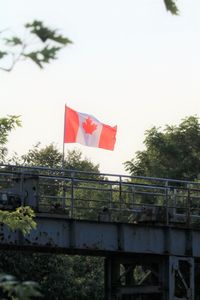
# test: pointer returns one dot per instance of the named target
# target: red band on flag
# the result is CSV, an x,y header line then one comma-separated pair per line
x,y
71,125
108,137
87,130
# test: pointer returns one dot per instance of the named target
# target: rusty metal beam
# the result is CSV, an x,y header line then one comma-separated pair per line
x,y
56,232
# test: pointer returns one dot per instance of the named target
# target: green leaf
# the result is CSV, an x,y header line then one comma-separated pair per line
x,y
49,53
41,31
2,54
34,57
44,33
14,41
43,56
171,6
60,39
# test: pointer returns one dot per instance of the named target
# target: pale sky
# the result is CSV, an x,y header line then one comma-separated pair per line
x,y
132,64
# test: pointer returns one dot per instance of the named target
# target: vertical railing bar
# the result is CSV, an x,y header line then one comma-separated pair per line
x,y
111,197
38,194
120,196
21,187
188,213
63,189
72,195
174,203
133,195
111,202
63,194
167,202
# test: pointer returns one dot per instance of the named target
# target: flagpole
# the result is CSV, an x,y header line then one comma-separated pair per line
x,y
64,131
63,162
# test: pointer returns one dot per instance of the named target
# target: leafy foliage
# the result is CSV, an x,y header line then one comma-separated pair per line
x,y
172,153
59,276
7,124
75,161
11,289
21,219
41,47
48,156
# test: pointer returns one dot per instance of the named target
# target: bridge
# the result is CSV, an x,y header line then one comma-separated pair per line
x,y
148,229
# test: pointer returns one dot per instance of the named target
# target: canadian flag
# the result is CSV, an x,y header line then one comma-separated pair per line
x,y
87,130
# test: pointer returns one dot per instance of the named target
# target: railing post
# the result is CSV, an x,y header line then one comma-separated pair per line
x,y
111,197
167,202
188,206
21,187
120,196
174,203
72,195
64,196
133,195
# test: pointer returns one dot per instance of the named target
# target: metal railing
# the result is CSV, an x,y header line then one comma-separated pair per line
x,y
98,196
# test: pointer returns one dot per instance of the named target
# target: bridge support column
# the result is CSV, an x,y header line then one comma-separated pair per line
x,y
149,277
112,275
181,278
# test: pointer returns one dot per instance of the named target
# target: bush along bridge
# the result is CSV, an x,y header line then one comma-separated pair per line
x,y
148,229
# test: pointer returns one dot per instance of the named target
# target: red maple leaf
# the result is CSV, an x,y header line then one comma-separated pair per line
x,y
89,126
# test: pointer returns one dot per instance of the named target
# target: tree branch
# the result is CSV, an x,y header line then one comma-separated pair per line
x,y
51,42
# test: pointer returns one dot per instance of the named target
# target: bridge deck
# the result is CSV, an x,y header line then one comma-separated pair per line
x,y
102,213
65,235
